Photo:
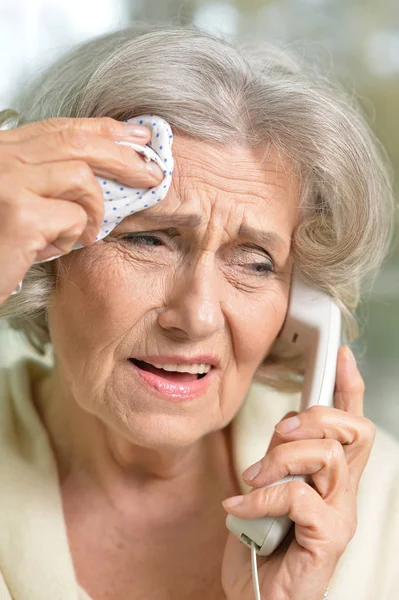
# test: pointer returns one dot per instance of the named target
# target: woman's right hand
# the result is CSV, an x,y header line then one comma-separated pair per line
x,y
49,196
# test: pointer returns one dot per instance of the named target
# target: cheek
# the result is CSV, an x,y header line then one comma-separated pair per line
x,y
102,297
255,326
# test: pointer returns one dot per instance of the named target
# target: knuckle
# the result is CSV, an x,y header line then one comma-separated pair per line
x,y
104,124
334,450
74,139
299,489
315,411
81,175
260,498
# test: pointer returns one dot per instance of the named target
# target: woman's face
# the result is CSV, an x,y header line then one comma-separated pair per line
x,y
202,277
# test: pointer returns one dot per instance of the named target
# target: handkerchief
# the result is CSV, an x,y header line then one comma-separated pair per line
x,y
121,200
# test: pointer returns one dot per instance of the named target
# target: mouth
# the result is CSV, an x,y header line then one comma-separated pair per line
x,y
185,373
179,380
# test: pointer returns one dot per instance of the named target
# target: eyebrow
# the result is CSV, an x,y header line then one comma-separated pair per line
x,y
263,238
267,238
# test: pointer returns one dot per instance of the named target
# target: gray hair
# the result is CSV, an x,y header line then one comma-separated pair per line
x,y
259,95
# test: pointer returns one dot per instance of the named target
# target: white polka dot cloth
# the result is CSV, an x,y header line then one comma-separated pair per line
x,y
121,201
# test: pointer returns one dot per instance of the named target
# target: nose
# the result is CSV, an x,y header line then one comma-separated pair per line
x,y
193,308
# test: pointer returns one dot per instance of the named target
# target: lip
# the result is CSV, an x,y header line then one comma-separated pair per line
x,y
173,359
187,390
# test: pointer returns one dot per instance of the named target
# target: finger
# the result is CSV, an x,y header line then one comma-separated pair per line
x,y
349,385
296,499
60,237
62,223
104,156
319,422
104,126
69,180
324,460
355,433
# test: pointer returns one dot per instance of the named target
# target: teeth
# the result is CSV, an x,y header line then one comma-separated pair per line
x,y
198,368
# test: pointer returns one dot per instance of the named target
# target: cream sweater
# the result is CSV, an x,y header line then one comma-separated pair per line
x,y
35,561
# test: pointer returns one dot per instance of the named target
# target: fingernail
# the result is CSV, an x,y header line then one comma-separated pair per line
x,y
252,471
137,130
288,425
234,501
153,169
350,356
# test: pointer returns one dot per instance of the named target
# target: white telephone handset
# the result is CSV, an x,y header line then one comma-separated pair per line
x,y
313,327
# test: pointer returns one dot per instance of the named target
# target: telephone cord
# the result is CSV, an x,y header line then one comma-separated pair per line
x,y
254,567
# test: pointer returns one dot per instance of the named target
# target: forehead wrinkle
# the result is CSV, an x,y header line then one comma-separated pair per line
x,y
265,185
247,195
186,185
202,175
219,182
189,221
212,159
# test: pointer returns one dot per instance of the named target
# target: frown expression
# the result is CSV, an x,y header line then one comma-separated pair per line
x,y
204,273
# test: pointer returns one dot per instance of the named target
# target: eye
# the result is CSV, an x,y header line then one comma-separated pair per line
x,y
145,239
262,268
255,260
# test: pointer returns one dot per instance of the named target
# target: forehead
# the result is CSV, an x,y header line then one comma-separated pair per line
x,y
231,185
235,174
233,169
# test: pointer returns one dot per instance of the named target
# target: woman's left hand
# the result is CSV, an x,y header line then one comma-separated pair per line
x,y
332,445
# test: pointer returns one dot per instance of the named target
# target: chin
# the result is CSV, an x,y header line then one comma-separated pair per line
x,y
162,431
149,417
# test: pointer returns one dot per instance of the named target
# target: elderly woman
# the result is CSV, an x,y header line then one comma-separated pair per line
x,y
118,453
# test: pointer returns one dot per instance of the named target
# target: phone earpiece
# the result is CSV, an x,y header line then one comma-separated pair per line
x,y
312,327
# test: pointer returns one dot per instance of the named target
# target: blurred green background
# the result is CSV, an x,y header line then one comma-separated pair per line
x,y
356,41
